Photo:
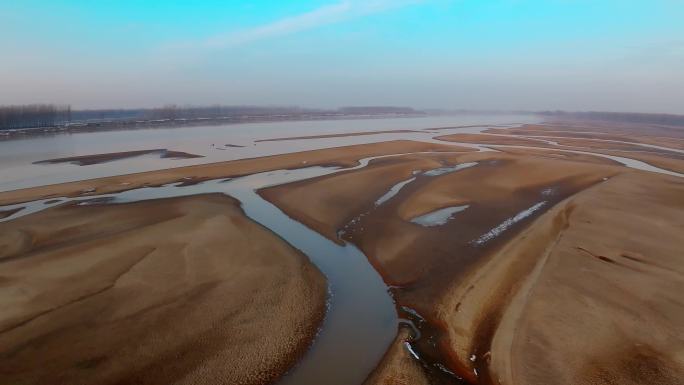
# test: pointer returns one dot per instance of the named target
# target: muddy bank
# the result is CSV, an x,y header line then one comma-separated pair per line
x,y
87,160
399,366
182,290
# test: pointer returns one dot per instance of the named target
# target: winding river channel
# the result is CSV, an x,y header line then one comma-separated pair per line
x,y
361,320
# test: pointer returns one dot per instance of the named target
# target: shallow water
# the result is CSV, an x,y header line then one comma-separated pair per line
x,y
17,155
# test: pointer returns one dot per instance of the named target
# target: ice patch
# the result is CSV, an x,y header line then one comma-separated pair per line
x,y
446,170
438,217
493,233
393,191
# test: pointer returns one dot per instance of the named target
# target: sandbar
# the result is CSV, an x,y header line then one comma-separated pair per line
x,y
87,160
182,290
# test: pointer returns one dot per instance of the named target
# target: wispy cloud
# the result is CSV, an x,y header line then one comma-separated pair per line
x,y
327,14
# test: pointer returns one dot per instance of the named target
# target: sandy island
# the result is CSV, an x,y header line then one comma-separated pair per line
x,y
493,306
87,160
173,291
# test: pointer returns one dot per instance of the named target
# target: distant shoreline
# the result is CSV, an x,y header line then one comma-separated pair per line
x,y
170,123
660,120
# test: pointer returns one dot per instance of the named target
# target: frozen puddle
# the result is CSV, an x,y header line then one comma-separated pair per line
x,y
393,191
438,217
493,233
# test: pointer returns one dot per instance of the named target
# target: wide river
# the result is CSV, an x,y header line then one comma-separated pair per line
x,y
17,155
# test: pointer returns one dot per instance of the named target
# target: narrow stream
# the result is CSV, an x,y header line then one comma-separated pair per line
x,y
361,321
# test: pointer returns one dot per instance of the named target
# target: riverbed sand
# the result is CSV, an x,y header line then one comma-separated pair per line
x,y
502,304
495,188
171,291
583,290
588,294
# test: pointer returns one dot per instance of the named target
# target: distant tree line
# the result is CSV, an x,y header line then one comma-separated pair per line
x,y
626,117
107,115
50,115
34,115
378,110
173,111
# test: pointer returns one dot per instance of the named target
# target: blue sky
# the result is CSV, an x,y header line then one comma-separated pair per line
x,y
483,54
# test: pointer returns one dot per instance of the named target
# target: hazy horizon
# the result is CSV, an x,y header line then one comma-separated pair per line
x,y
623,56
